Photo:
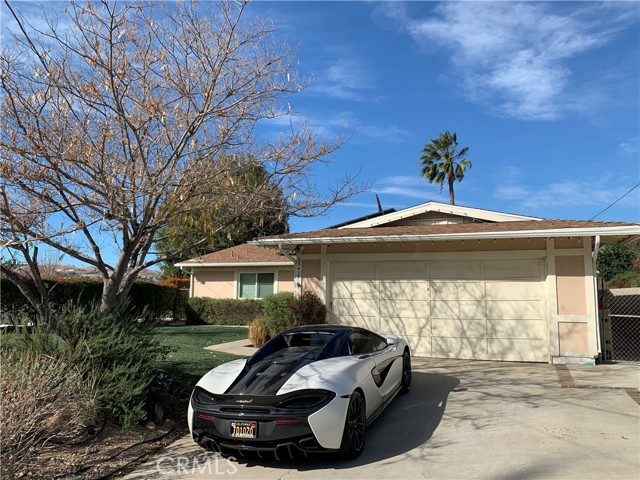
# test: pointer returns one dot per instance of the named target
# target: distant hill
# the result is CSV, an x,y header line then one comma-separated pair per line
x,y
71,271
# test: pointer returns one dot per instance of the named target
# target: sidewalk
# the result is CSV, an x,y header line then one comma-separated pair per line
x,y
239,347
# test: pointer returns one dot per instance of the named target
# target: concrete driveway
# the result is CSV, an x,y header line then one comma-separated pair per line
x,y
469,419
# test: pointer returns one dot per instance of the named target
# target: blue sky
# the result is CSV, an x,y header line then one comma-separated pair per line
x,y
545,95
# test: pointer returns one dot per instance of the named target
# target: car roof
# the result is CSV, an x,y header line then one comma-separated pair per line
x,y
325,328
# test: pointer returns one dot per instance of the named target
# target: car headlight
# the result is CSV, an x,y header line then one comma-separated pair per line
x,y
306,400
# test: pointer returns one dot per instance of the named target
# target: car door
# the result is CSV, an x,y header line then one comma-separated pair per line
x,y
386,362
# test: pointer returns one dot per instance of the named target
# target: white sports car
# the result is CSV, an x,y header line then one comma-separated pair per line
x,y
308,389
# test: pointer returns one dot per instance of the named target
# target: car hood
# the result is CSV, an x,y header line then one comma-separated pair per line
x,y
267,376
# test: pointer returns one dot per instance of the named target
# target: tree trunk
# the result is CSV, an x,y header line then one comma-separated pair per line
x,y
451,197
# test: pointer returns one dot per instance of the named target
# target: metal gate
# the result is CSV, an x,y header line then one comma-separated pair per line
x,y
620,324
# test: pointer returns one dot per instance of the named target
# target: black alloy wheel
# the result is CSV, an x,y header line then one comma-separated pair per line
x,y
355,427
406,372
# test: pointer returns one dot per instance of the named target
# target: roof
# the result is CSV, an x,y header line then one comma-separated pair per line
x,y
363,218
514,229
479,214
242,255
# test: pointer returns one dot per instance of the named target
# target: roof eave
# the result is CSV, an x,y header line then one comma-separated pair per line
x,y
233,264
559,232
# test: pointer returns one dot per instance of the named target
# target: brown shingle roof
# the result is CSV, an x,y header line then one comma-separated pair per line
x,y
239,254
452,229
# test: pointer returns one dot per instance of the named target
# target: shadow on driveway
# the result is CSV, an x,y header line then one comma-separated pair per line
x,y
408,422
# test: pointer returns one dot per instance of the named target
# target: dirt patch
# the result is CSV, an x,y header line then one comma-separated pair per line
x,y
110,454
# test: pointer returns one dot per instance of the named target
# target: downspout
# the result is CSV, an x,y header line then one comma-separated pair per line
x,y
190,280
596,250
297,270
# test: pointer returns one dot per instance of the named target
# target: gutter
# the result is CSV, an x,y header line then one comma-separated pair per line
x,y
632,230
233,264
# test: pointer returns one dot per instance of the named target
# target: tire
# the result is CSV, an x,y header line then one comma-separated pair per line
x,y
406,372
355,427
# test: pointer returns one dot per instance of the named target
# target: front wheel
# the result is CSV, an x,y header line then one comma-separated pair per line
x,y
406,372
355,427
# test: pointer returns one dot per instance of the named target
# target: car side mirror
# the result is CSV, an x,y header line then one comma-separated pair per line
x,y
392,339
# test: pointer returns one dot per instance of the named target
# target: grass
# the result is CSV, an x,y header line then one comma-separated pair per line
x,y
189,361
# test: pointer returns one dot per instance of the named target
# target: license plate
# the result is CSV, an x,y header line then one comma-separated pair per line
x,y
244,429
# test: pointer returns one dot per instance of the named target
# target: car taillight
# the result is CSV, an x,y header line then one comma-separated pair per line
x,y
204,416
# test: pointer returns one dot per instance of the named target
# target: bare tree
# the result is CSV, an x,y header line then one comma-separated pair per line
x,y
106,116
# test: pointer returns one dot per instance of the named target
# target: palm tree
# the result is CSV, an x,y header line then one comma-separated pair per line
x,y
441,162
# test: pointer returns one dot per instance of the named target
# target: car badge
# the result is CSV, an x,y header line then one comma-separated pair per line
x,y
245,401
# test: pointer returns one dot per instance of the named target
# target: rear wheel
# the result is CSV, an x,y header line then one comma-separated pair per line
x,y
355,427
406,372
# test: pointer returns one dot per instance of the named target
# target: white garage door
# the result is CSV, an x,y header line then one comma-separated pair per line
x,y
489,310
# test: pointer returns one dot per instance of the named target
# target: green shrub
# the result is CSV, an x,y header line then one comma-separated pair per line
x,y
156,299
276,312
615,259
625,280
44,400
117,351
222,311
307,309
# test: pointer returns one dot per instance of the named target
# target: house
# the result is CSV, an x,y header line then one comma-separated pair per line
x,y
244,271
456,282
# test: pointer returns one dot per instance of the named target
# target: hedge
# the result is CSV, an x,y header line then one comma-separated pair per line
x,y
219,311
157,299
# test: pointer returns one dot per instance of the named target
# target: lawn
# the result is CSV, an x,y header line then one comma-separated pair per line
x,y
190,360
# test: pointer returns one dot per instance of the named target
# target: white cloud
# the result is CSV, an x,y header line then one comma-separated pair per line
x,y
516,56
630,147
404,186
346,79
568,193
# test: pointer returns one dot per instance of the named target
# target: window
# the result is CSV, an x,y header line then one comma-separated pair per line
x,y
256,285
366,342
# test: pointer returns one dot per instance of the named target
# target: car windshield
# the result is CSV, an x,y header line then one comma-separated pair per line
x,y
307,339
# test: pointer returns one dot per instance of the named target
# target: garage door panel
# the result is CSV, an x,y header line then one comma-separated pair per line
x,y
515,309
518,350
457,290
371,323
458,328
514,290
415,290
456,309
473,348
355,289
455,270
354,270
400,326
532,329
404,308
420,346
402,271
357,306
512,269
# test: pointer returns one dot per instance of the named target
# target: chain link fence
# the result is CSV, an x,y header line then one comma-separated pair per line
x,y
620,324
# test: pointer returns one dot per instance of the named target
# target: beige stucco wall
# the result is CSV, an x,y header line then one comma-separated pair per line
x,y
572,299
219,283
284,281
574,339
570,283
312,277
214,284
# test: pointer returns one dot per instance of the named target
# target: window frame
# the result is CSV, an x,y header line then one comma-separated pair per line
x,y
255,274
